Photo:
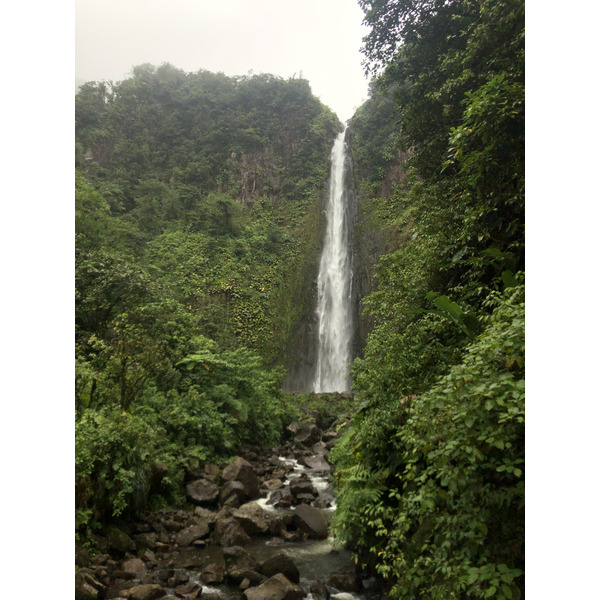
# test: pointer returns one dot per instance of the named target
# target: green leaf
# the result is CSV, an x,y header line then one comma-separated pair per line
x,y
509,280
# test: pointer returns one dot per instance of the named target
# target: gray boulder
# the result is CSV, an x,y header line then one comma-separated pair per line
x,y
192,533
278,587
228,532
134,566
311,520
118,540
319,590
280,563
87,587
146,591
241,470
233,490
318,463
202,491
252,518
308,434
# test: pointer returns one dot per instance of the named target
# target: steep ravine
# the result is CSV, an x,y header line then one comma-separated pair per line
x,y
255,528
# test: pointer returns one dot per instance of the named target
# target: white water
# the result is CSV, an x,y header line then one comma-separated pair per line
x,y
334,284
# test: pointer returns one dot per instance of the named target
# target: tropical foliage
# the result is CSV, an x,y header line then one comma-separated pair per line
x,y
197,222
431,472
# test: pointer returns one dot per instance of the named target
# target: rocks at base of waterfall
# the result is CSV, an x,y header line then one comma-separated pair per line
x,y
190,534
134,566
281,500
241,470
280,563
206,515
307,434
233,493
202,491
118,540
239,575
213,573
311,520
319,590
279,473
278,587
188,591
252,518
273,484
320,448
302,488
87,587
145,541
318,463
145,591
242,565
321,502
229,532
346,582
178,577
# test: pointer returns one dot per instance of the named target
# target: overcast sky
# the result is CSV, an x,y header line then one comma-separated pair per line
x,y
319,39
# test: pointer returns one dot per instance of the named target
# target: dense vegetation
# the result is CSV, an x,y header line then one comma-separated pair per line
x,y
197,220
431,490
197,224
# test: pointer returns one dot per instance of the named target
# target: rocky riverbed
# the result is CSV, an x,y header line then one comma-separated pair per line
x,y
256,528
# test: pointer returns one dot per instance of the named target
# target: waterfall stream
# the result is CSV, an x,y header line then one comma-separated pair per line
x,y
335,283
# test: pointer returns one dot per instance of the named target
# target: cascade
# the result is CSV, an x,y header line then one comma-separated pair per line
x,y
334,284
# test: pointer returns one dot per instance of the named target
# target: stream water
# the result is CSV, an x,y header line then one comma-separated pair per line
x,y
316,559
334,283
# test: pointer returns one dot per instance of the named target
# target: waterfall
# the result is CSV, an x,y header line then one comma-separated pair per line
x,y
334,284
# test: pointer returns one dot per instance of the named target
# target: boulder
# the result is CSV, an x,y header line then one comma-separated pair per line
x,y
346,582
179,577
213,573
228,532
146,591
206,515
145,540
318,463
82,556
278,587
241,470
134,566
320,449
189,591
311,520
233,489
280,563
192,533
118,540
252,518
149,558
86,586
202,491
308,434
240,574
273,484
211,470
319,590
302,486
278,474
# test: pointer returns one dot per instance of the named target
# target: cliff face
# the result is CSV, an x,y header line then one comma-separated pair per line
x,y
377,231
217,184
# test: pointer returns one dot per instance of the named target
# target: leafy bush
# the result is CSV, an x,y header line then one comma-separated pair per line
x,y
431,487
124,459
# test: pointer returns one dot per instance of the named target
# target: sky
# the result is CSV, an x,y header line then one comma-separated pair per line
x,y
319,40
